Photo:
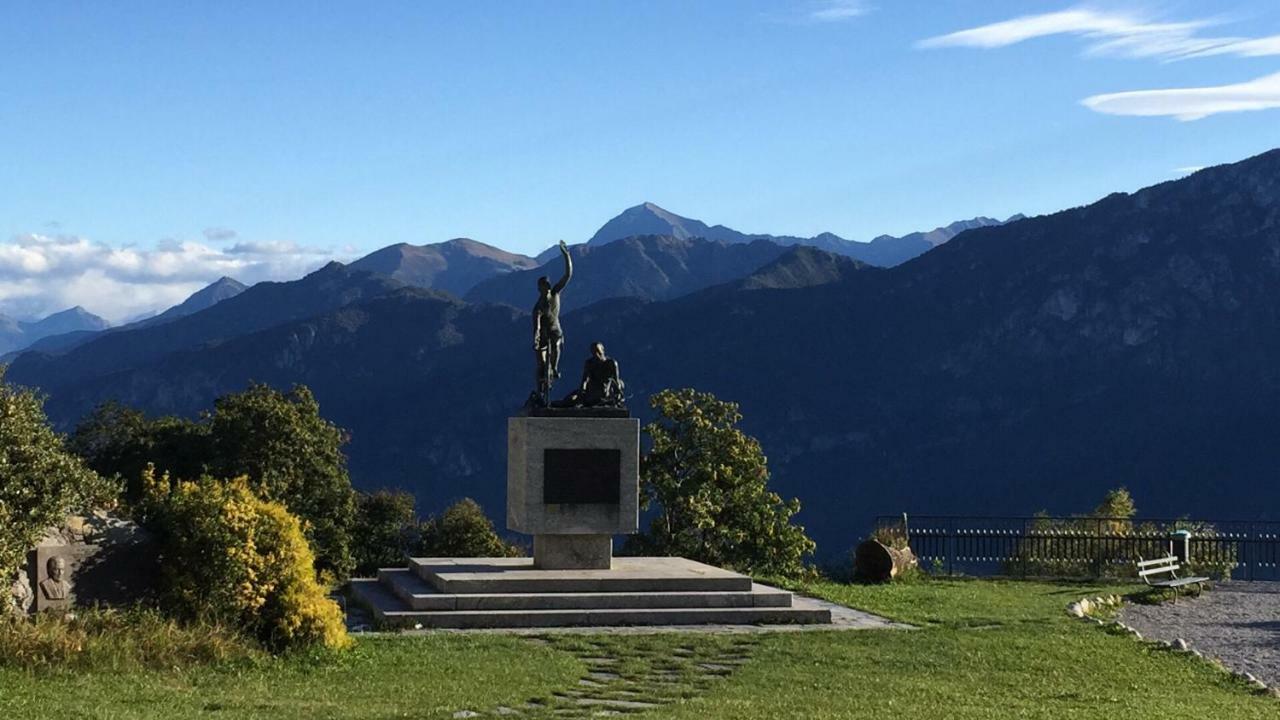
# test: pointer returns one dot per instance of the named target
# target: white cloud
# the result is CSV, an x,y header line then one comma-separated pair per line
x,y
837,10
218,234
40,274
1191,103
275,247
1189,169
1111,33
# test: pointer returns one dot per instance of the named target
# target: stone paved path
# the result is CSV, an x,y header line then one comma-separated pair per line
x,y
1235,622
639,679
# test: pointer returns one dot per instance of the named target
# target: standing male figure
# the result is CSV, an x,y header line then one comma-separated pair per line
x,y
547,336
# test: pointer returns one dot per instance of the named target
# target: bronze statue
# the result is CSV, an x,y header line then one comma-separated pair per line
x,y
548,339
601,384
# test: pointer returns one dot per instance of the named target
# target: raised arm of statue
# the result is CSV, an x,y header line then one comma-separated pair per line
x,y
568,269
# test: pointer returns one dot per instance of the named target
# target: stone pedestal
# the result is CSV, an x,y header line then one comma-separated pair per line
x,y
570,552
573,483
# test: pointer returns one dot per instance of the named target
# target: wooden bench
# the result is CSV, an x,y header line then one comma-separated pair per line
x,y
1151,570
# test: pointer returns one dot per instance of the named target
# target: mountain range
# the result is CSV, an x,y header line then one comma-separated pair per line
x,y
19,334
884,250
1015,367
646,267
481,272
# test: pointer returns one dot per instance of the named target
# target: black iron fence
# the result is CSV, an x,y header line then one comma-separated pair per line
x,y
1085,546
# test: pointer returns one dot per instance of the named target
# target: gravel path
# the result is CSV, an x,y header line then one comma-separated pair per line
x,y
1236,622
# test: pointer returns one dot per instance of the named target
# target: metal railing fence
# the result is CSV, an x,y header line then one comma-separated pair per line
x,y
1084,546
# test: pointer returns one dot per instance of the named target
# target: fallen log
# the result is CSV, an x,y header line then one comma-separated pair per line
x,y
874,561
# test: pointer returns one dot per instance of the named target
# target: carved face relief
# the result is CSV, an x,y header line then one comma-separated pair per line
x,y
55,587
57,567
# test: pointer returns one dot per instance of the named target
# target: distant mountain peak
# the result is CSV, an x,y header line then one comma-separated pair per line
x,y
73,318
649,219
454,266
224,288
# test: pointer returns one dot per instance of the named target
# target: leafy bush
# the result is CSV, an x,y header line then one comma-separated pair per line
x,y
462,530
230,556
40,481
278,440
385,528
710,483
116,641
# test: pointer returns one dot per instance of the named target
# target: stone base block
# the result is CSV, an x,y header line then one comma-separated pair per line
x,y
572,552
514,593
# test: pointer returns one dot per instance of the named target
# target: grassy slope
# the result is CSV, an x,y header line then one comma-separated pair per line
x,y
983,650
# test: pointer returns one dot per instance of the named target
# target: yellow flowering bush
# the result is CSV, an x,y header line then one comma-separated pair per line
x,y
229,555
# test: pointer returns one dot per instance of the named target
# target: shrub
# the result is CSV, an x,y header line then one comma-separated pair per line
x,y
40,481
231,556
462,530
710,483
385,527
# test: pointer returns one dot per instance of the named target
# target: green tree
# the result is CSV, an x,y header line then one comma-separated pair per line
x,y
462,530
1118,505
40,481
385,526
291,455
116,440
709,481
277,439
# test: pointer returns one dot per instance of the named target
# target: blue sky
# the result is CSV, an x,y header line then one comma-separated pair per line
x,y
148,148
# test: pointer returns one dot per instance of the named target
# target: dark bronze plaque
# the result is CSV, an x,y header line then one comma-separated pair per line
x,y
578,477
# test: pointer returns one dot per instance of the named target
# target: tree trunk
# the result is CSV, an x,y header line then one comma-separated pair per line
x,y
876,562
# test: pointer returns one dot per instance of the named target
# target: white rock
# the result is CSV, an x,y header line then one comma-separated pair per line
x,y
1181,644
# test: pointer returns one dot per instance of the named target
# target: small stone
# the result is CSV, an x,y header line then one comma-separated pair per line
x,y
504,710
466,714
1181,645
1075,610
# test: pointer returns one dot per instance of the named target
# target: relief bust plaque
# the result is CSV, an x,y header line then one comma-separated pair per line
x,y
51,576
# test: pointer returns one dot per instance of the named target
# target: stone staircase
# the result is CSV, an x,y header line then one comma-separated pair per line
x,y
512,593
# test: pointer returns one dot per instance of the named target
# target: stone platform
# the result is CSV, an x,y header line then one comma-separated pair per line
x,y
512,593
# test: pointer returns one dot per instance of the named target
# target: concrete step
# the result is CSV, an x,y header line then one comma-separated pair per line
x,y
503,576
419,595
390,609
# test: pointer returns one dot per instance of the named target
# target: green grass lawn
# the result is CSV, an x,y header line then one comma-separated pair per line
x,y
383,677
983,650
